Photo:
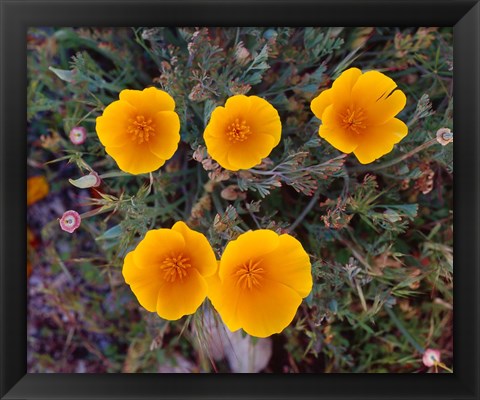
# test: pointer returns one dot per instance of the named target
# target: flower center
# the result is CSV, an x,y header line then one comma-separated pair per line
x,y
353,119
140,129
174,268
69,221
238,131
249,275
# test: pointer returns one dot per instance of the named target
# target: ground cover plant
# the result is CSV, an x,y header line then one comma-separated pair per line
x,y
240,199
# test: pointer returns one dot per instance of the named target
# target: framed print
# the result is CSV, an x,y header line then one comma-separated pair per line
x,y
239,199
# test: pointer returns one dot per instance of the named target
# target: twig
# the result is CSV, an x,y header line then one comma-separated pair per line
x,y
387,164
361,296
305,211
114,174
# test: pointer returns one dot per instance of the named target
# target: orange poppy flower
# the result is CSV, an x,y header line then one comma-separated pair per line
x,y
241,134
167,270
261,281
358,112
140,131
37,189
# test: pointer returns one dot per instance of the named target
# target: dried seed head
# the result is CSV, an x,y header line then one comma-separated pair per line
x,y
444,136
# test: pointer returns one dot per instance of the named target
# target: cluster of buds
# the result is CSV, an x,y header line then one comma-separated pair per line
x,y
198,93
197,37
215,172
425,183
203,204
242,55
233,192
336,218
226,222
199,208
238,88
410,46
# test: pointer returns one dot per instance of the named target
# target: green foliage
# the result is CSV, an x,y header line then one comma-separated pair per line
x,y
380,236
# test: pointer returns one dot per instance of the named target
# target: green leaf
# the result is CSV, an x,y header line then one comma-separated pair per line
x,y
111,233
64,74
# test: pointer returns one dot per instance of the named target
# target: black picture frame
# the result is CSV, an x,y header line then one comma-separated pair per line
x,y
17,15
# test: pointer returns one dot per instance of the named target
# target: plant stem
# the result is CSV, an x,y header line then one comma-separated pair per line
x,y
305,211
260,172
113,174
423,146
402,329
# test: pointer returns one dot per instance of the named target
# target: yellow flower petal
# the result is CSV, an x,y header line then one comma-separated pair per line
x,y
321,102
165,270
165,142
201,253
130,271
224,296
135,159
150,100
140,131
143,286
111,126
266,122
268,310
238,105
213,282
182,297
371,87
218,147
358,114
295,263
342,87
334,134
249,154
247,245
219,120
157,245
262,279
387,107
379,140
241,134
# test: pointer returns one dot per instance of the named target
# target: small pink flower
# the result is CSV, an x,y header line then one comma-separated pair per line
x,y
78,135
70,221
431,357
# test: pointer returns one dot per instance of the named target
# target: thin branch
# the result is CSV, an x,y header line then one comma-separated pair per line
x,y
305,211
368,168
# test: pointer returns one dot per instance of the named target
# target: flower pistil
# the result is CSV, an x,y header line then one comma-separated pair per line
x,y
175,267
238,131
353,119
249,274
140,129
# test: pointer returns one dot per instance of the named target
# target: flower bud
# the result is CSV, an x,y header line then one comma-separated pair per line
x,y
87,181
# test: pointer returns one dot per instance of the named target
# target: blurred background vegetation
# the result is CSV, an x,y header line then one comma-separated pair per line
x,y
380,236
